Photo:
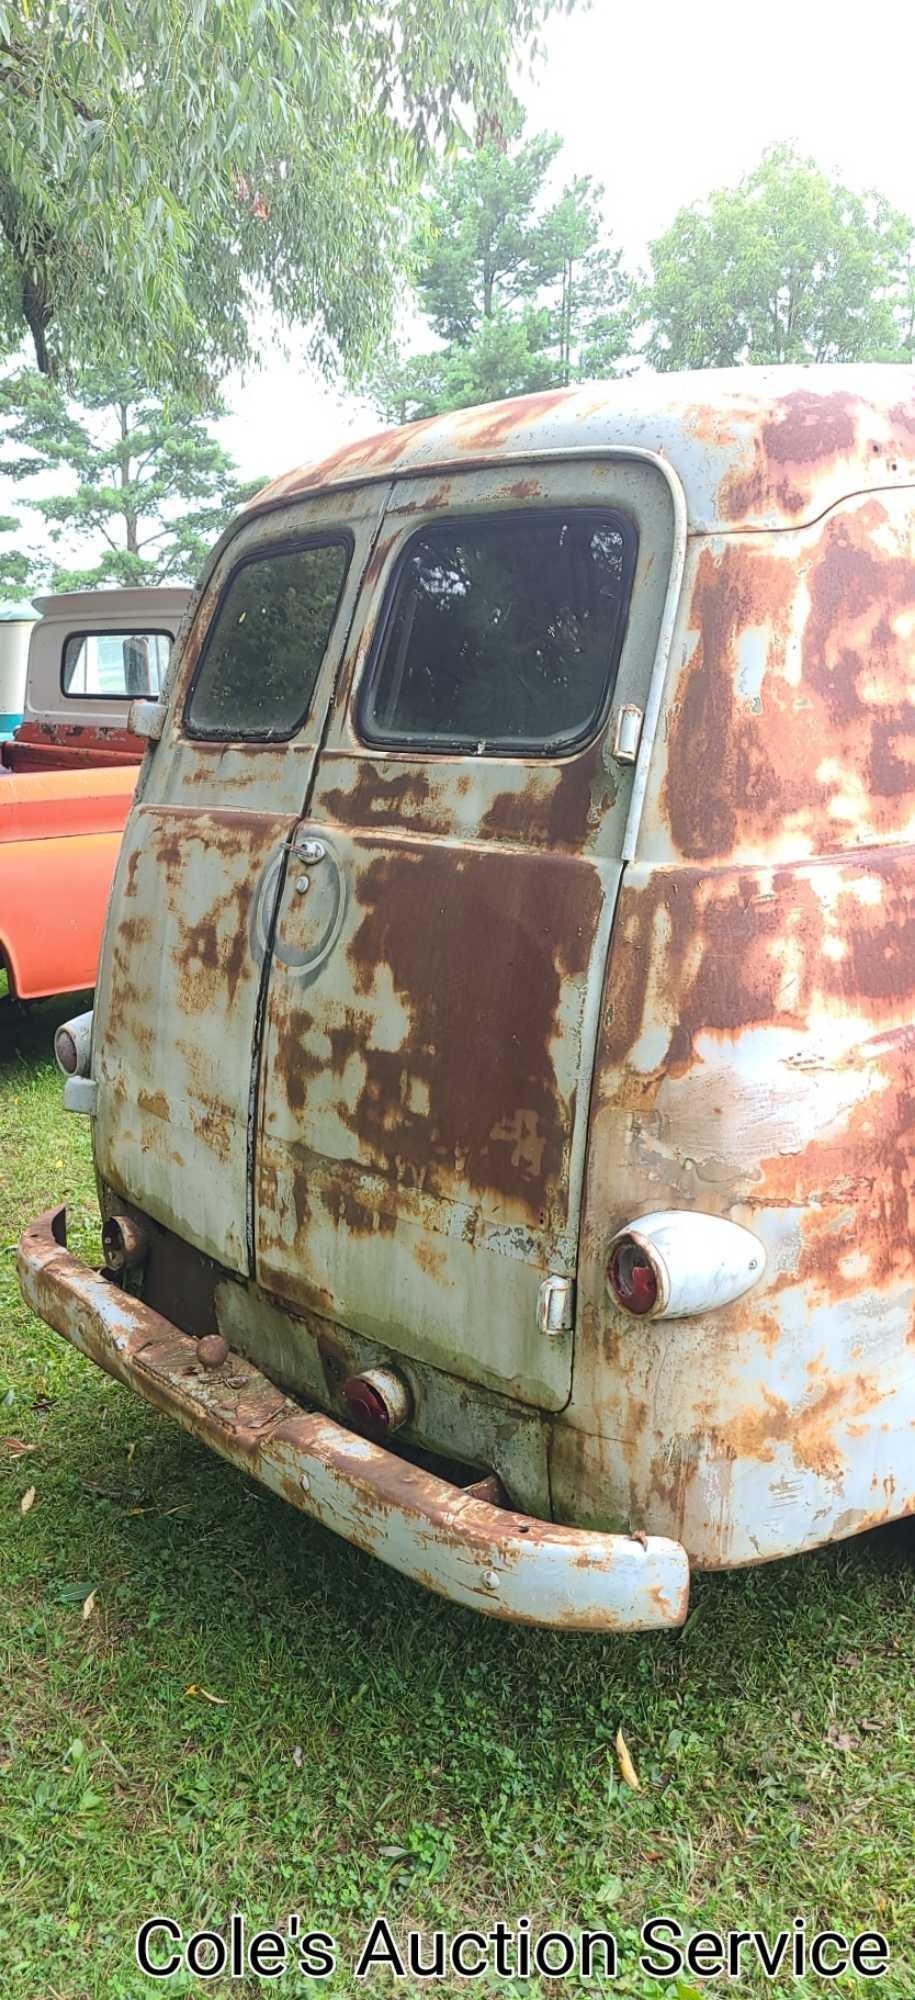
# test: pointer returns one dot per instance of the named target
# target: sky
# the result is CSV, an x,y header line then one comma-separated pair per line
x,y
660,103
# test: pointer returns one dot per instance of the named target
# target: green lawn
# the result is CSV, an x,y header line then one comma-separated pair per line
x,y
374,1750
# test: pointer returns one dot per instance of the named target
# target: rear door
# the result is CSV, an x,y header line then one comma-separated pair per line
x,y
442,933
202,862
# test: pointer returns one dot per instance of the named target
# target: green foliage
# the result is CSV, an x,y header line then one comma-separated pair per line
x,y
18,572
145,478
522,294
163,164
787,266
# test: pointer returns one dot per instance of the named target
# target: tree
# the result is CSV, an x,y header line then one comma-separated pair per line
x,y
787,266
163,164
152,486
520,294
19,574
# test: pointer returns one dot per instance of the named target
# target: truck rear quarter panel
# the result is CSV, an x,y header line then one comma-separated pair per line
x,y
757,1058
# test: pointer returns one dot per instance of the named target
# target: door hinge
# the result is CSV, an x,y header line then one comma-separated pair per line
x,y
555,1305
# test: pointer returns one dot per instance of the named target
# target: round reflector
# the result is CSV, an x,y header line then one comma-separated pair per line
x,y
632,1278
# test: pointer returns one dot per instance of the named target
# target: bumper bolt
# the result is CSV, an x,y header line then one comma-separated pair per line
x,y
212,1350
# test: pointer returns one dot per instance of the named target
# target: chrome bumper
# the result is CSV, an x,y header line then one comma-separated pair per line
x,y
483,1556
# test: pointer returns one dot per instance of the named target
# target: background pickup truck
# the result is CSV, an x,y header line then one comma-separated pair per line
x,y
67,776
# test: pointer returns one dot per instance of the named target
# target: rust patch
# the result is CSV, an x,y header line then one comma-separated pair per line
x,y
824,753
130,879
68,746
807,431
368,455
491,426
348,1210
488,1110
294,1062
809,1430
155,1104
430,1258
377,795
903,416
522,489
559,806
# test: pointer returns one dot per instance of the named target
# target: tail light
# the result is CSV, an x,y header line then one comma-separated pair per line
x,y
377,1401
72,1043
124,1242
632,1277
679,1262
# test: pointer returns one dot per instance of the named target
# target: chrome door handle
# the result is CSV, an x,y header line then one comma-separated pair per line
x,y
310,850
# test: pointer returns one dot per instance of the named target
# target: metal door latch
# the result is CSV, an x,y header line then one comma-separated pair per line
x,y
555,1305
310,850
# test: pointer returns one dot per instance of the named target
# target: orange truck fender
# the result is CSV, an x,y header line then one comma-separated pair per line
x,y
60,832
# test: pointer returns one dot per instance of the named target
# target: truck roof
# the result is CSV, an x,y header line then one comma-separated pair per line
x,y
139,601
753,447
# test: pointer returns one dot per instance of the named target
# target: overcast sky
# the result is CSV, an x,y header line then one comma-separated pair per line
x,y
660,103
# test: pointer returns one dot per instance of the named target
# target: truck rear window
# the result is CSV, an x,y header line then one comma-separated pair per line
x,y
113,666
502,632
264,648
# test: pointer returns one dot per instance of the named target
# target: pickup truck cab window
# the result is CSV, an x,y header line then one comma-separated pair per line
x,y
112,666
263,653
502,633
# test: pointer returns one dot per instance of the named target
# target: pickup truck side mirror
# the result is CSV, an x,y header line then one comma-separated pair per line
x,y
146,718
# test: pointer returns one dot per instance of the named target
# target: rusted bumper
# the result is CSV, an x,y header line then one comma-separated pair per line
x,y
479,1555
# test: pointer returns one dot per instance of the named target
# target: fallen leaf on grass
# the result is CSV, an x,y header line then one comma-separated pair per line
x,y
298,1756
28,1500
16,1448
628,1772
218,1700
88,1605
841,1740
609,1892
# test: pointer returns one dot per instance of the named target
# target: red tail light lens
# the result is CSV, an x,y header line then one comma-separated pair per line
x,y
631,1278
377,1401
66,1052
365,1406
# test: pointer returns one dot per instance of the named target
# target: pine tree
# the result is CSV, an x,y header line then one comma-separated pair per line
x,y
153,489
522,293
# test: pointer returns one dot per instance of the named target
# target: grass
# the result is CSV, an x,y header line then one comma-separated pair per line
x,y
376,1750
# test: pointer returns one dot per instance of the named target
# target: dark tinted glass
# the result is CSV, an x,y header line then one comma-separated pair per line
x,y
265,646
503,632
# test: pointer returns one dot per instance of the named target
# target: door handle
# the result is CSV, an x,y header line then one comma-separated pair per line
x,y
627,734
309,850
